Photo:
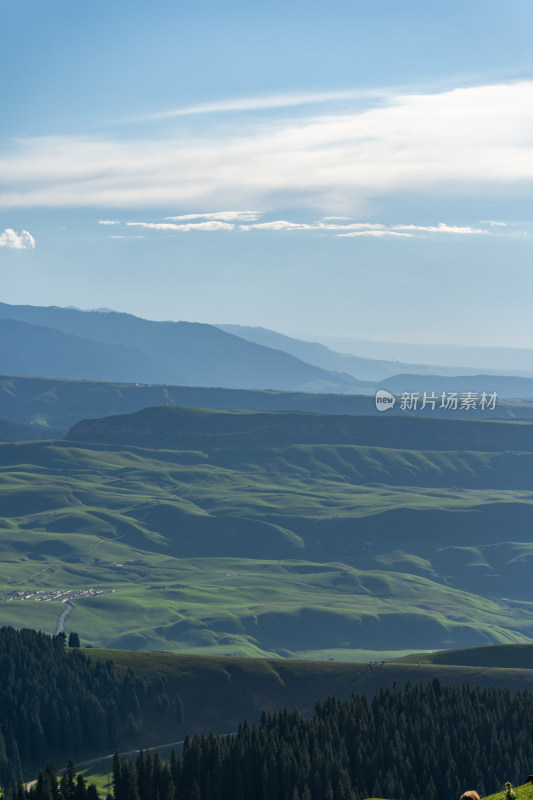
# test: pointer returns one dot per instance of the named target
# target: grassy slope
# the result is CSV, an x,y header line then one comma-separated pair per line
x,y
142,522
244,545
499,656
219,692
524,792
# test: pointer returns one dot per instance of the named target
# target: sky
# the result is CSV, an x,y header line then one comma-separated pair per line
x,y
355,169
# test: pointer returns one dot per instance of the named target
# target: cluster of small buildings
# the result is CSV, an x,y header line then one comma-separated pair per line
x,y
46,595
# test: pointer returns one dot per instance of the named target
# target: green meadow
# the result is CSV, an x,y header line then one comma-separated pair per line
x,y
303,551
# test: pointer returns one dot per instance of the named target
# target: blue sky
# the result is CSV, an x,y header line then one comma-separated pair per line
x,y
360,169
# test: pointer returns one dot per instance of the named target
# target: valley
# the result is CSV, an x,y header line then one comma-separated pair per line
x,y
262,547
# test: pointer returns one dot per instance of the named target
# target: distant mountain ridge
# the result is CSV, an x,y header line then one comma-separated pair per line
x,y
364,368
508,386
55,403
112,346
318,354
38,350
188,353
184,428
474,358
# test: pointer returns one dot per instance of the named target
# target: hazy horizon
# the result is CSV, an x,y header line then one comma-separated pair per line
x,y
362,171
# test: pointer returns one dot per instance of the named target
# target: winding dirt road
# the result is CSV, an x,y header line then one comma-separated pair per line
x,y
69,606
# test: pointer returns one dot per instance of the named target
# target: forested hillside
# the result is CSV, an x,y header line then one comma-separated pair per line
x,y
58,703
425,741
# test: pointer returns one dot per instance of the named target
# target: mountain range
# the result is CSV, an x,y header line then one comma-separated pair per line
x,y
374,368
68,343
111,346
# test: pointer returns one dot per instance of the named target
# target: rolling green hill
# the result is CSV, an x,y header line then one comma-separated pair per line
x,y
15,431
524,792
253,545
60,403
50,403
517,656
185,428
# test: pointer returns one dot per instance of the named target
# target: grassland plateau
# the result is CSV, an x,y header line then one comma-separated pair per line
x,y
282,535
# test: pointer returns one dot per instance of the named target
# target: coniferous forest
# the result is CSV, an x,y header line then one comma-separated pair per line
x,y
426,741
58,702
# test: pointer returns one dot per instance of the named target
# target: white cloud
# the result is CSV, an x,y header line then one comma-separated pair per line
x,y
333,225
284,225
441,228
493,223
465,142
226,216
374,233
279,225
108,222
118,236
265,102
210,225
17,241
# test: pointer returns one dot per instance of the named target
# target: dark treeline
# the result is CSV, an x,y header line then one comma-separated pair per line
x,y
429,742
58,701
47,786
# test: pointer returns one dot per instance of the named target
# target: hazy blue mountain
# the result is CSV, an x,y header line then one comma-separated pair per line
x,y
505,385
190,353
37,350
120,347
319,354
474,358
368,368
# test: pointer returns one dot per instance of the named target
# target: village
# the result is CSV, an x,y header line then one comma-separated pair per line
x,y
47,595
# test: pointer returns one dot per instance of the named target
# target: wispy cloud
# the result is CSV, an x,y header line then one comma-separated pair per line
x,y
493,223
472,142
17,241
338,226
279,225
226,216
375,233
208,225
441,228
265,102
284,225
108,222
